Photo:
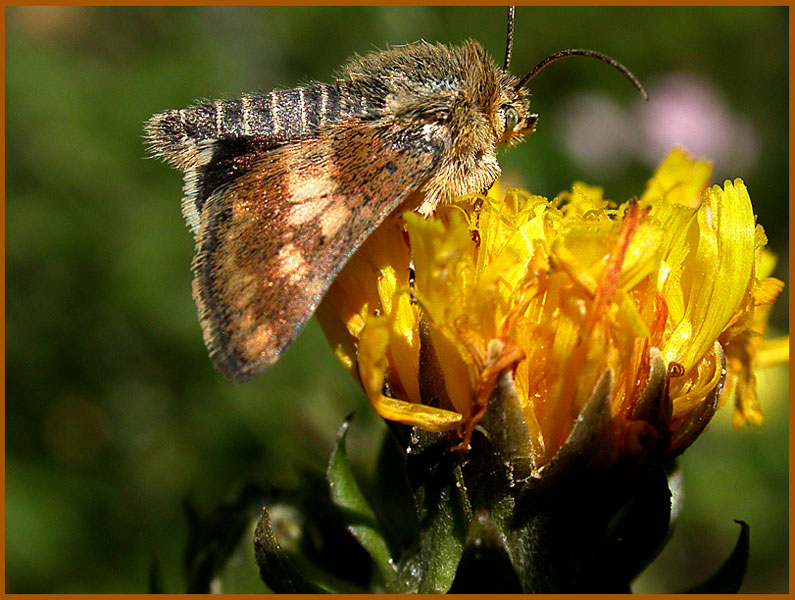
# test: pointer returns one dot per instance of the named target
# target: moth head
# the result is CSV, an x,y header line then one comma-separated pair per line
x,y
513,118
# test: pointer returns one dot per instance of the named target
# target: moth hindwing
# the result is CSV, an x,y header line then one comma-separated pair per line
x,y
281,189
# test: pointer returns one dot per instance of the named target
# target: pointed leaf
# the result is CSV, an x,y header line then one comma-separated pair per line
x,y
312,534
443,511
729,578
393,504
443,529
276,569
355,510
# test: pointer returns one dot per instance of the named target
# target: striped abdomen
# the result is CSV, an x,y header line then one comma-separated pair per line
x,y
273,118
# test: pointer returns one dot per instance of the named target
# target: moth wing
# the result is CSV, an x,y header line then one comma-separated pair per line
x,y
270,243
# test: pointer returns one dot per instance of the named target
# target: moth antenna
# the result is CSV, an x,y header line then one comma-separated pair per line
x,y
588,54
509,38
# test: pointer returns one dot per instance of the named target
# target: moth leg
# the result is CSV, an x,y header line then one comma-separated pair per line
x,y
428,205
477,206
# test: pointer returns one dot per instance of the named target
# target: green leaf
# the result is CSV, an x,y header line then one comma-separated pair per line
x,y
444,514
443,533
393,504
729,578
276,568
356,512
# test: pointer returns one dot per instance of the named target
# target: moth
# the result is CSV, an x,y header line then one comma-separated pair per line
x,y
282,188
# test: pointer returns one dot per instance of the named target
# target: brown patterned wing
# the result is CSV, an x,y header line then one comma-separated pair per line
x,y
270,243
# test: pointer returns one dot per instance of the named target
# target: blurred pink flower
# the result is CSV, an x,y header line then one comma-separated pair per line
x,y
688,111
684,110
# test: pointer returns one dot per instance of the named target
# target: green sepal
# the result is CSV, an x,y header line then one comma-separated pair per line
x,y
356,513
485,566
729,578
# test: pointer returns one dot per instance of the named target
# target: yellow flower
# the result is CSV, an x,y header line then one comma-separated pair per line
x,y
428,313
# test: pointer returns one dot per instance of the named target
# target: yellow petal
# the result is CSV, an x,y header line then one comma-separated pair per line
x,y
404,345
718,271
679,180
373,362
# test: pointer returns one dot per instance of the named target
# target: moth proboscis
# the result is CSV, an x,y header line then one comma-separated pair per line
x,y
281,188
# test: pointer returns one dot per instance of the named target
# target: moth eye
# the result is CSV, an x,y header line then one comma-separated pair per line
x,y
510,116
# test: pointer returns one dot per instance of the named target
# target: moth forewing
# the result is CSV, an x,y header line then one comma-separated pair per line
x,y
271,242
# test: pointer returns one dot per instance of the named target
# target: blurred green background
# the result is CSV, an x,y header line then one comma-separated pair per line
x,y
114,413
